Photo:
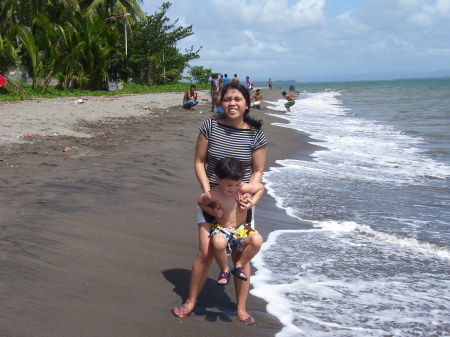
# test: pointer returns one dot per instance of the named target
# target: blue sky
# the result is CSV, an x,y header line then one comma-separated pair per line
x,y
314,40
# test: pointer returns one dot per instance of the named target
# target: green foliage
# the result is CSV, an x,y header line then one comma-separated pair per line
x,y
82,42
11,93
200,74
154,59
8,55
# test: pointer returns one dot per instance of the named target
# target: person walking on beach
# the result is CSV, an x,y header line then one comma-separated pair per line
x,y
290,100
232,134
270,83
249,83
226,80
190,98
221,83
235,79
229,226
214,91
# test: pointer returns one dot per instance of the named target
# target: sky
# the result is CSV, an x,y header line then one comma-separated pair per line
x,y
317,40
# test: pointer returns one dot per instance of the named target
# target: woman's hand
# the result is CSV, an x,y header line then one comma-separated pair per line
x,y
245,200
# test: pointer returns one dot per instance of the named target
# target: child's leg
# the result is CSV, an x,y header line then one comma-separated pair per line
x,y
219,243
252,245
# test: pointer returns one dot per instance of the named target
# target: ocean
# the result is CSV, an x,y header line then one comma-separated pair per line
x,y
371,253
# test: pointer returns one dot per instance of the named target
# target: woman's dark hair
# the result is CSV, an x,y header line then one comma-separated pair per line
x,y
229,168
255,123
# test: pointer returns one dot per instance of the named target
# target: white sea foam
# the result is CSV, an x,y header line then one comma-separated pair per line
x,y
367,149
377,262
389,238
335,279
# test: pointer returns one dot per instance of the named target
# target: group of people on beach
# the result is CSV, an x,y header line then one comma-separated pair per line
x,y
217,85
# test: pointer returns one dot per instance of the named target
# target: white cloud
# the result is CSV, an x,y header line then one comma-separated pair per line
x,y
271,15
294,39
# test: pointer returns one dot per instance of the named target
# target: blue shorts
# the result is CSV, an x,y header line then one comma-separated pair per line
x,y
189,104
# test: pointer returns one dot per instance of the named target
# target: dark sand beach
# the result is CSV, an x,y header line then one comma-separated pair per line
x,y
99,240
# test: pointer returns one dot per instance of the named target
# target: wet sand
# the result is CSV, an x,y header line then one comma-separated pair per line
x,y
99,240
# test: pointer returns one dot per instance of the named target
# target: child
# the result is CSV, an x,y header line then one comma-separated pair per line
x,y
229,227
290,100
217,104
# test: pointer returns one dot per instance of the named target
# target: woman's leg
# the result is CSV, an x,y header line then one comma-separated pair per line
x,y
242,288
200,268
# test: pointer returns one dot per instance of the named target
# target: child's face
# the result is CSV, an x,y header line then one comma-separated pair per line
x,y
229,186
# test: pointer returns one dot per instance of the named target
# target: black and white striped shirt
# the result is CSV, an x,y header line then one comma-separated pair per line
x,y
225,141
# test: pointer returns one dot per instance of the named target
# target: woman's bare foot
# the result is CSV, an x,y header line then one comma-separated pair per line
x,y
182,311
247,319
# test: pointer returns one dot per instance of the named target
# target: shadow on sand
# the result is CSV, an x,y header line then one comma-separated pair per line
x,y
212,296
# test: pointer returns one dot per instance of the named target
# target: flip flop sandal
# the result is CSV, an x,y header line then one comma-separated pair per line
x,y
248,321
238,271
180,312
224,276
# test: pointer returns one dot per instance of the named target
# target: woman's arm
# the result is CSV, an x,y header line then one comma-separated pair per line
x,y
251,188
201,150
258,162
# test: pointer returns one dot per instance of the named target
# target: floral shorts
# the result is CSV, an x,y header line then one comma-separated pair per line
x,y
234,236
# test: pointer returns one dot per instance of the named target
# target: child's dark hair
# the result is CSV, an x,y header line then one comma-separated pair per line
x,y
230,168
254,123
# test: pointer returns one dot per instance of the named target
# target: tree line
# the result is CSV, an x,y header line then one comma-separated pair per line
x,y
83,42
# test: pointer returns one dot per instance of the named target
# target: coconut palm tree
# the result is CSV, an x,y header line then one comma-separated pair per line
x,y
114,8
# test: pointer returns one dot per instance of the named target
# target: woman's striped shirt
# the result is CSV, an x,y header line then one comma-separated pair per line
x,y
225,141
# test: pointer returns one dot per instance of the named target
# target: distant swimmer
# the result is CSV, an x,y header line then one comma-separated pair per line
x,y
257,98
290,100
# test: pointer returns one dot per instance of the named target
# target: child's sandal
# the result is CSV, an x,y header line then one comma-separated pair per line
x,y
239,273
223,276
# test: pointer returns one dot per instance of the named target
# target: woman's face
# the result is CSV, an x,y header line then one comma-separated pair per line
x,y
234,104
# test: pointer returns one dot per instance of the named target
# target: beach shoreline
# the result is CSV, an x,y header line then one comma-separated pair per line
x,y
98,232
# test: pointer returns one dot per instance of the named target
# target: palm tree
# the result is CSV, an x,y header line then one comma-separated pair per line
x,y
8,55
29,43
115,8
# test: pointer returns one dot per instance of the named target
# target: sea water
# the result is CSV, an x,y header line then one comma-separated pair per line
x,y
375,260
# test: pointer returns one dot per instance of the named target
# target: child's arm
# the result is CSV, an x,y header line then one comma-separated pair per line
x,y
207,204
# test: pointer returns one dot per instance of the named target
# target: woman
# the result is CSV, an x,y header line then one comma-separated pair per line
x,y
233,134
